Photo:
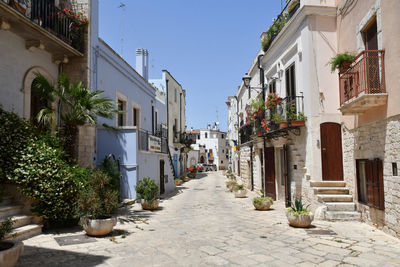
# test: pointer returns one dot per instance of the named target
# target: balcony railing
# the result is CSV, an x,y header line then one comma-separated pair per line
x,y
45,14
245,133
290,109
366,76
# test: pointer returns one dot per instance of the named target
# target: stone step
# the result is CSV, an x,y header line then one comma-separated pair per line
x,y
9,210
24,232
340,206
20,220
335,198
331,190
327,183
7,200
343,215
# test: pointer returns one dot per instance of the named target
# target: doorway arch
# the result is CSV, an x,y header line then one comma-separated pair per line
x,y
27,87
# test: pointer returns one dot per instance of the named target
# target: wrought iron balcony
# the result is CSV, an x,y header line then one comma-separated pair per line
x,y
362,85
39,20
245,133
152,143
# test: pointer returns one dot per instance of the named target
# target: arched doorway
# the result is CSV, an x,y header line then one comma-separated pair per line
x,y
37,103
27,89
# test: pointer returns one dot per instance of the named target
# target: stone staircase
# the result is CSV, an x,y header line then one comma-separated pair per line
x,y
337,202
24,225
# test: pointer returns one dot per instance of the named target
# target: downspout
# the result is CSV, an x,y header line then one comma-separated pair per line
x,y
180,113
167,103
263,96
251,167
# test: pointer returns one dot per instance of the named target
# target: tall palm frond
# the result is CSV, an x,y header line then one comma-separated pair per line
x,y
43,87
46,116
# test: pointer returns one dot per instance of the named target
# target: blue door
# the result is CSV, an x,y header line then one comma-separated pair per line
x,y
175,159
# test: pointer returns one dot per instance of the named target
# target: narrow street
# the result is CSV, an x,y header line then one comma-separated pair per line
x,y
203,225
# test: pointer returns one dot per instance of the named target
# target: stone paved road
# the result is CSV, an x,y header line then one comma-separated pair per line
x,y
203,225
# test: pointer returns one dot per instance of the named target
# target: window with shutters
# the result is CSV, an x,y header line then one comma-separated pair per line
x,y
370,182
272,87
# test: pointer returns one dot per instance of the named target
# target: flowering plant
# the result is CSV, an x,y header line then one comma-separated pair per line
x,y
78,21
273,100
264,125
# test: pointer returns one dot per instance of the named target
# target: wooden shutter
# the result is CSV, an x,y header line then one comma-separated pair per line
x,y
377,184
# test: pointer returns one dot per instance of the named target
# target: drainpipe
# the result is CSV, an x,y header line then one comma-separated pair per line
x,y
180,112
166,86
251,167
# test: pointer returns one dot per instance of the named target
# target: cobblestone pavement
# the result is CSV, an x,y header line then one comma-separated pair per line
x,y
202,225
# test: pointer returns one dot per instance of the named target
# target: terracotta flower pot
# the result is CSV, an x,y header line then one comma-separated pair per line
x,y
10,252
283,125
98,227
240,193
186,179
344,66
298,123
259,133
150,206
178,182
301,221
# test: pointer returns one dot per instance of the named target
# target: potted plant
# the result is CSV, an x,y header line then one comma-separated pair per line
x,y
273,100
19,5
279,119
178,182
341,62
148,192
231,184
262,202
240,191
192,174
96,204
296,119
298,215
9,250
185,179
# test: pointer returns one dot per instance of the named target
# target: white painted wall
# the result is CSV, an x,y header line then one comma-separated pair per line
x,y
15,62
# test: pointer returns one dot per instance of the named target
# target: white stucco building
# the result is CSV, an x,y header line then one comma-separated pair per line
x,y
232,135
212,146
176,122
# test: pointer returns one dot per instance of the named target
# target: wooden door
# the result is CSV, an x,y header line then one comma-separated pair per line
x,y
269,170
331,152
162,182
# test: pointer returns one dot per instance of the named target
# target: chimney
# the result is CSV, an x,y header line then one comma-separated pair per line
x,y
142,62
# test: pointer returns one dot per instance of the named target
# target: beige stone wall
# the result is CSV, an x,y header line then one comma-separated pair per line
x,y
379,139
244,166
86,145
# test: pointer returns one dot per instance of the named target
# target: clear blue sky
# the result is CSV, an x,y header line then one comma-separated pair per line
x,y
207,45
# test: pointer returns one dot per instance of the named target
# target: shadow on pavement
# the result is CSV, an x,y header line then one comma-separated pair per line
x,y
56,257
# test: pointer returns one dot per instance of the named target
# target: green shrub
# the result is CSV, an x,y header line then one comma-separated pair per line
x,y
43,175
261,199
147,189
110,167
99,198
15,135
5,227
298,208
238,187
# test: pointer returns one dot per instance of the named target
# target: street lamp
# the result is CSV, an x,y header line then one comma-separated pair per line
x,y
246,80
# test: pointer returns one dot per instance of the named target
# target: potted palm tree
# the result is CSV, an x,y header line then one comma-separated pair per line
x,y
298,215
240,191
97,202
78,104
9,250
147,191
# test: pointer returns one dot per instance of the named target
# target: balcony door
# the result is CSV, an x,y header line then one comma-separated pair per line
x,y
331,151
372,59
